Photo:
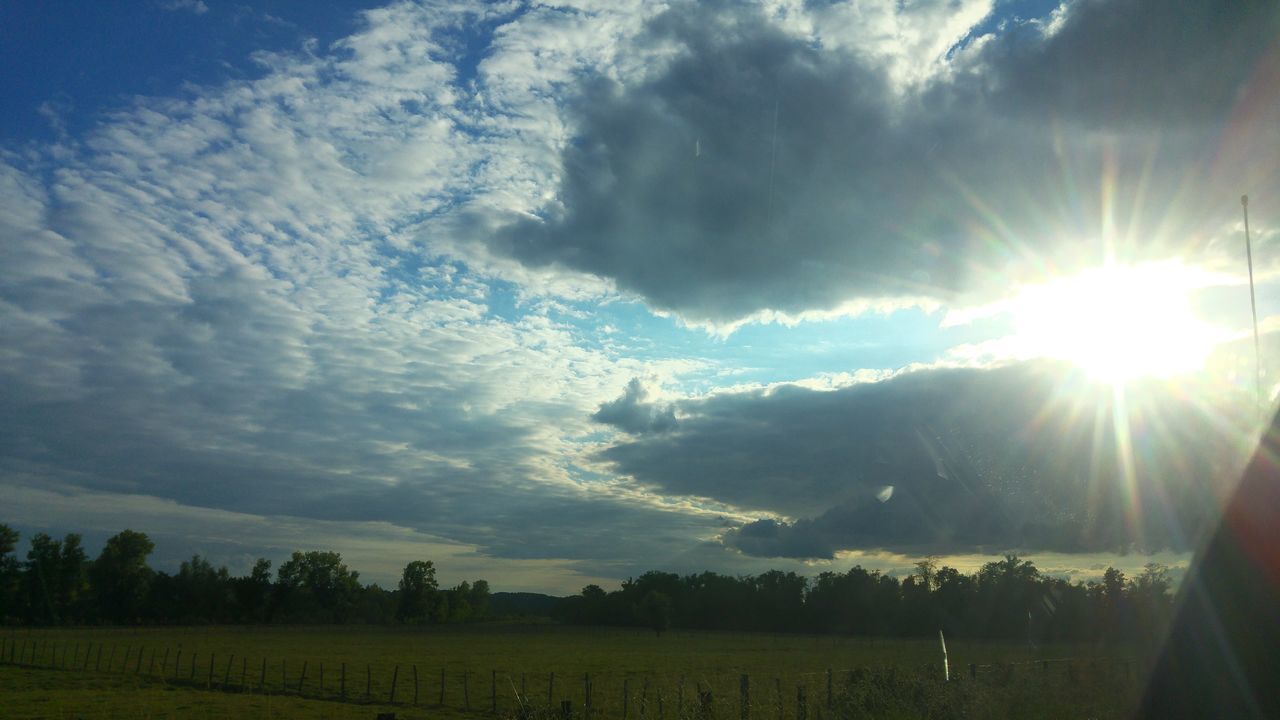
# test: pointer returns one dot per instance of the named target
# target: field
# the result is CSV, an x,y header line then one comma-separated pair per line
x,y
268,672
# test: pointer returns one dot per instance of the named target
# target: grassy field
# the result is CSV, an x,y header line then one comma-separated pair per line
x,y
219,672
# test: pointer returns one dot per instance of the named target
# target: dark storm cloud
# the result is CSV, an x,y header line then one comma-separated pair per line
x,y
946,461
761,170
631,413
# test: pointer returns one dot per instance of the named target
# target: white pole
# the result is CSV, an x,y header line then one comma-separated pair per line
x,y
1253,304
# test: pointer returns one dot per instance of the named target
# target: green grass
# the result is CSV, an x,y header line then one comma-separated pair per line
x,y
651,669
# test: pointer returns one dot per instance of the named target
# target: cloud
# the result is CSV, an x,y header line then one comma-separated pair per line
x,y
194,6
631,413
771,167
1027,456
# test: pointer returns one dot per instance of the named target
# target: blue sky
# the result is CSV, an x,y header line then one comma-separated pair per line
x,y
556,293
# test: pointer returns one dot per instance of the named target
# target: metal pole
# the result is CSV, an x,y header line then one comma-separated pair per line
x,y
1253,304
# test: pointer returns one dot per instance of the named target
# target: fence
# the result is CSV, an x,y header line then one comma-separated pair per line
x,y
630,696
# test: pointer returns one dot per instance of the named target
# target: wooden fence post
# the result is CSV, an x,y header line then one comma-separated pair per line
x,y
802,707
777,686
193,668
177,662
644,697
626,696
551,685
111,659
97,663
342,683
164,664
395,675
226,675
125,664
680,698
320,681
441,686
586,695
209,683
284,675
137,667
368,681
415,684
828,688
493,691
466,689
262,679
244,673
744,696
524,692
303,677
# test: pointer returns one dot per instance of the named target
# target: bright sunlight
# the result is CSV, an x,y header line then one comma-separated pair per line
x,y
1118,323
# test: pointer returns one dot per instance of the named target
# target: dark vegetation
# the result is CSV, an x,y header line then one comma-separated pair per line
x,y
1005,599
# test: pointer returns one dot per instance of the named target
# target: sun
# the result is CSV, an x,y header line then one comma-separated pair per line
x,y
1118,323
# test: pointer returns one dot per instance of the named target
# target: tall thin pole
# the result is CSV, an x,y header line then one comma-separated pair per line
x,y
1253,305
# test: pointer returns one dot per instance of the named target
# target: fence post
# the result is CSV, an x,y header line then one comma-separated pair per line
x,y
777,686
415,684
262,680
551,684
368,681
342,683
524,692
137,667
395,675
244,673
586,695
111,659
466,689
566,709
177,662
626,696
97,662
226,674
802,707
493,691
680,698
303,677
828,688
320,680
164,664
973,671
744,696
442,686
124,665
193,668
644,697
284,675
209,683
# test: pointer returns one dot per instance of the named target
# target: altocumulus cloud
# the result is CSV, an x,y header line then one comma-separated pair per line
x,y
362,286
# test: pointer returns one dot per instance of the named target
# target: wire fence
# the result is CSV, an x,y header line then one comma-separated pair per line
x,y
626,695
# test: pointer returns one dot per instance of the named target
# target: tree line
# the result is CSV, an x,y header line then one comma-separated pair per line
x,y
1005,599
58,584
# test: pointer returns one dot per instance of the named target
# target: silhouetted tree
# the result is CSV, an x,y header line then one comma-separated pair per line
x,y
417,592
316,587
120,576
655,611
10,576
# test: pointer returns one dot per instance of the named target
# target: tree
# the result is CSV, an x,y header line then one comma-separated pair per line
x,y
120,576
316,587
253,591
56,579
418,588
655,611
478,599
10,574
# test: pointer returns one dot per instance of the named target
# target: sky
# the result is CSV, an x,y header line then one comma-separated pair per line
x,y
556,293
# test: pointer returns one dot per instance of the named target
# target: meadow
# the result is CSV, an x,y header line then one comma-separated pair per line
x,y
479,670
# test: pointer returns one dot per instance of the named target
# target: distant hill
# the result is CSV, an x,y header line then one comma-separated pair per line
x,y
516,604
